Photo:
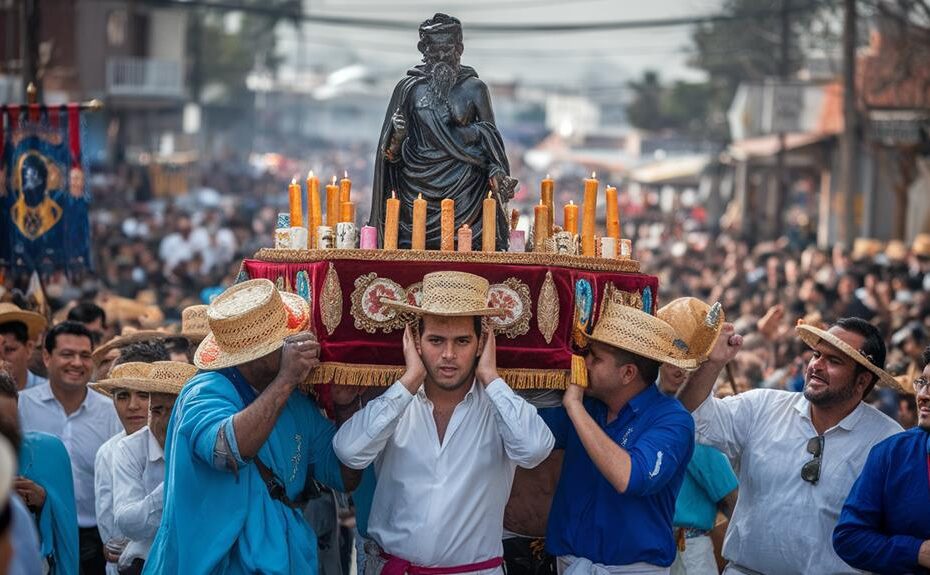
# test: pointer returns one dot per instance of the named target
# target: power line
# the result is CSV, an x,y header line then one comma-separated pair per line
x,y
285,12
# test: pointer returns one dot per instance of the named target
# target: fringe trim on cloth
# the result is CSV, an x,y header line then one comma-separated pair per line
x,y
385,376
579,371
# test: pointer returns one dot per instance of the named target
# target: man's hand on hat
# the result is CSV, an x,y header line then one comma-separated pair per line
x,y
300,354
486,372
726,347
415,373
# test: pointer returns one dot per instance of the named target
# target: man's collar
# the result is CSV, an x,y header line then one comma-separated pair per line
x,y
155,451
421,393
644,398
848,423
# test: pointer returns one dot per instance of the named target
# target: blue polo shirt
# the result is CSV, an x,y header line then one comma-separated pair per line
x,y
886,517
591,519
709,478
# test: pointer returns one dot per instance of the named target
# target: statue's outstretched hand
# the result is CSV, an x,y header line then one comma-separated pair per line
x,y
400,124
504,186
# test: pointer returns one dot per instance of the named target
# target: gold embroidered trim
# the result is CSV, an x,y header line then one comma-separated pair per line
x,y
385,375
331,301
506,258
514,328
547,310
365,322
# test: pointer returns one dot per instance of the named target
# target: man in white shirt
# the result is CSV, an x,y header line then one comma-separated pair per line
x,y
82,419
798,454
445,439
139,459
132,407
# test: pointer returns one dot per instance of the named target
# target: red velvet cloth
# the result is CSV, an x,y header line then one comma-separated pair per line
x,y
530,351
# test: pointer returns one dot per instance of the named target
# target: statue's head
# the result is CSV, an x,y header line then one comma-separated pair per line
x,y
441,40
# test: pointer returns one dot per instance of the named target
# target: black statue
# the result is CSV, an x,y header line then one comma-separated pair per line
x,y
439,139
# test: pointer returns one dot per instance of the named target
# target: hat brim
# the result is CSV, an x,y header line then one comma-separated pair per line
x,y
108,386
812,336
652,353
211,356
121,341
406,307
34,322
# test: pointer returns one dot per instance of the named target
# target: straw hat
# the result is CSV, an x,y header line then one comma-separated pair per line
x,y
194,324
157,377
813,335
697,323
248,321
450,294
864,248
896,251
128,336
638,332
34,322
921,245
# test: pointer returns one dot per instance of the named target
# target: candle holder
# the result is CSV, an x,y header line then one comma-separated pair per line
x,y
282,239
298,238
608,247
517,241
626,249
346,236
284,221
564,243
325,237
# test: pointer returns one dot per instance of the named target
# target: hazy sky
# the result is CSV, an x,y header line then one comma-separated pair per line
x,y
549,59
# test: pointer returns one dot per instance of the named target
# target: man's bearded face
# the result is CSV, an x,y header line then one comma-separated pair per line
x,y
441,79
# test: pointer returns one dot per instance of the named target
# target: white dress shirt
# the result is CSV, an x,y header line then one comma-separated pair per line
x,y
443,504
783,524
103,494
138,492
82,432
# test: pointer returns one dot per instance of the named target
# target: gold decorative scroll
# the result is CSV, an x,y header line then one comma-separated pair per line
x,y
331,301
547,309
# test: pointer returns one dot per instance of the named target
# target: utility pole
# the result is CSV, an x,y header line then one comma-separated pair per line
x,y
781,175
849,146
29,46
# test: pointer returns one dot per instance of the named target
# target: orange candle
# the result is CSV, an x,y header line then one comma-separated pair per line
x,y
347,212
315,212
588,221
447,233
345,188
465,238
570,224
390,222
296,207
547,190
332,204
489,225
418,241
541,227
613,213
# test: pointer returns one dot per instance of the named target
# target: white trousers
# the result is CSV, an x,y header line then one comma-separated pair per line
x,y
697,558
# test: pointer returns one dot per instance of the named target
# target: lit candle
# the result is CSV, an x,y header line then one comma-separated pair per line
x,y
465,238
315,215
489,225
613,214
588,245
369,238
570,224
548,189
541,227
296,206
332,204
390,222
447,231
418,242
345,188
347,212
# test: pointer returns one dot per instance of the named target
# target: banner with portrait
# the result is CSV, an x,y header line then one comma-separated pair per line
x,y
43,201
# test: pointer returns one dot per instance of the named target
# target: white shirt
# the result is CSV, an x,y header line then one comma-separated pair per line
x,y
138,492
103,493
82,432
783,524
443,504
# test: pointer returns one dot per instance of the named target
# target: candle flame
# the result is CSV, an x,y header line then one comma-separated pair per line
x,y
420,196
334,179
593,176
310,174
294,181
571,202
547,177
393,195
489,195
346,174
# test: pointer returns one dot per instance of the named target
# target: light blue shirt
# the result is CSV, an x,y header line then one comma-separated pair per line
x,y
26,559
708,479
217,520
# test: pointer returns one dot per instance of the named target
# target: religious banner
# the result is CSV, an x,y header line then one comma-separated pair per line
x,y
43,202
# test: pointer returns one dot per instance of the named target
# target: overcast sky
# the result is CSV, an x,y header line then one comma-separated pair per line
x,y
549,59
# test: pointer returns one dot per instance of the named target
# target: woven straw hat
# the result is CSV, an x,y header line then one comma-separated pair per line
x,y
450,294
813,335
697,323
157,377
638,332
864,248
896,250
127,337
194,323
33,321
248,321
921,245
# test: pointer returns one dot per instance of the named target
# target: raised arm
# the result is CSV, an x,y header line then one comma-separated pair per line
x,y
702,380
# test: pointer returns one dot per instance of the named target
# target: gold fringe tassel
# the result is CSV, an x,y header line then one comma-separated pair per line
x,y
385,376
579,371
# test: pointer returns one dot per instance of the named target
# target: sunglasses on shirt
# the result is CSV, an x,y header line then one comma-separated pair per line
x,y
810,472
